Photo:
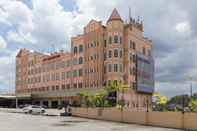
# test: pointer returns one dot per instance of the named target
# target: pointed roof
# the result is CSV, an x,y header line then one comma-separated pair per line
x,y
114,15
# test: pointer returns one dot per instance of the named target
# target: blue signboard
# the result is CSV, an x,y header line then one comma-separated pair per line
x,y
145,74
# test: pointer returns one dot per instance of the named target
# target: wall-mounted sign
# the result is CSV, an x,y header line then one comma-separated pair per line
x,y
145,74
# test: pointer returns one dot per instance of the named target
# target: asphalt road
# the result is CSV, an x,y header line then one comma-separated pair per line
x,y
25,122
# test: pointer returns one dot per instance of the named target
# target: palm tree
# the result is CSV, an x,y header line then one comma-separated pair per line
x,y
115,86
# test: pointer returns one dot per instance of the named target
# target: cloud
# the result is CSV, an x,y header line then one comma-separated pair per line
x,y
7,71
3,43
170,24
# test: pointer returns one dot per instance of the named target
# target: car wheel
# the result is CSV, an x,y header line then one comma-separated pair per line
x,y
43,111
30,111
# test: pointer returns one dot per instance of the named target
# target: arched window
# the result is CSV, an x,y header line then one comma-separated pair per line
x,y
81,48
75,50
115,39
115,53
80,60
110,54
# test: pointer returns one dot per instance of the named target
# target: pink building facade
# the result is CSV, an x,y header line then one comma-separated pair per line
x,y
103,53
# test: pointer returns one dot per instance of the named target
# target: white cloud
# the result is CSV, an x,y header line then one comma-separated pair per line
x,y
47,23
3,43
7,71
20,38
183,27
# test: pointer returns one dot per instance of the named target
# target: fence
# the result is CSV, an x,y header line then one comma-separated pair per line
x,y
163,119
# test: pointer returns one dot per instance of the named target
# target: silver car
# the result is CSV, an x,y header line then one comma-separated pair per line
x,y
31,109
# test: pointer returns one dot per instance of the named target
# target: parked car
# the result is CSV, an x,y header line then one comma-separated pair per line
x,y
31,109
23,106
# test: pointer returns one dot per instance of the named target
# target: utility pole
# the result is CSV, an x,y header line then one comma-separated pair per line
x,y
183,102
191,87
191,90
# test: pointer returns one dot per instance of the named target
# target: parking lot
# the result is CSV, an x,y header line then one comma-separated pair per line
x,y
27,122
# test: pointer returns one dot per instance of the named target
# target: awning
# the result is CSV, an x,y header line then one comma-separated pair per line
x,y
24,96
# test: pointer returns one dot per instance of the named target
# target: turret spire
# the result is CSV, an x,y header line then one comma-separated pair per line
x,y
114,16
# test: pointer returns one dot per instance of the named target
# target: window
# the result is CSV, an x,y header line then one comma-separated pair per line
x,y
132,44
75,61
109,68
105,69
105,56
144,51
80,48
110,54
115,39
80,85
130,57
91,57
105,43
115,67
92,45
57,76
75,50
130,71
110,39
75,85
120,40
80,72
134,71
63,75
115,53
134,85
74,73
120,53
68,86
63,87
80,60
134,58
149,53
57,87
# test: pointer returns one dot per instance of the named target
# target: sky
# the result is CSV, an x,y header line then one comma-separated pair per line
x,y
48,25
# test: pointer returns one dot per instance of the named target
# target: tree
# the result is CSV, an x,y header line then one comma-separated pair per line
x,y
102,98
115,87
84,96
160,102
99,99
193,105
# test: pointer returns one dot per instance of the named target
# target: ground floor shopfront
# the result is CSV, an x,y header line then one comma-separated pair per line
x,y
55,102
53,99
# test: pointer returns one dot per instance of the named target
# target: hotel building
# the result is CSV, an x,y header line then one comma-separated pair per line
x,y
103,53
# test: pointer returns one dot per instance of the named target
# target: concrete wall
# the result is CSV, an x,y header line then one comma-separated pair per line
x,y
190,121
138,117
163,119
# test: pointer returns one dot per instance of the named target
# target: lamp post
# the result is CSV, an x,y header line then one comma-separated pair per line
x,y
147,102
183,103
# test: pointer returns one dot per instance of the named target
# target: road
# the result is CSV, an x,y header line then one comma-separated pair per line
x,y
25,122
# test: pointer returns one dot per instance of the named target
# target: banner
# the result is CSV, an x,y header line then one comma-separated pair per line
x,y
145,74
